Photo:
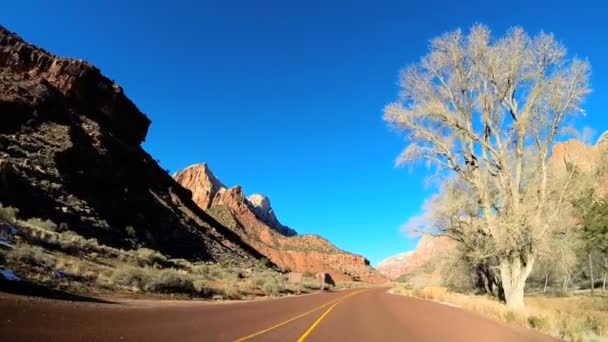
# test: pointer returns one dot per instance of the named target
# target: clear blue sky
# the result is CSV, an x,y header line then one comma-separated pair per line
x,y
285,97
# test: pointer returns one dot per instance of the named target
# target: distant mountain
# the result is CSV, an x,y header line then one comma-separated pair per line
x,y
395,265
254,220
409,262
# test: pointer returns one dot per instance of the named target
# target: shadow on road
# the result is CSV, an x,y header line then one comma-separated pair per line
x,y
29,288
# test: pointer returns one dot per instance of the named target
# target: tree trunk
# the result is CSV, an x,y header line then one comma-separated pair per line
x,y
591,273
546,281
604,283
514,273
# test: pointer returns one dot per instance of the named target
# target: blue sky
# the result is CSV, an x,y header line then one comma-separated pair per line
x,y
285,97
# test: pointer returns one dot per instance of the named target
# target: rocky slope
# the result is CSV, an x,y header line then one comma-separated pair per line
x,y
409,262
586,157
254,220
395,265
70,152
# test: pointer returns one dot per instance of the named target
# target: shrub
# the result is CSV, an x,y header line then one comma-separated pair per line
x,y
263,263
131,276
130,232
273,286
202,289
570,328
181,263
538,323
8,214
171,281
598,326
32,255
308,274
150,257
42,224
231,291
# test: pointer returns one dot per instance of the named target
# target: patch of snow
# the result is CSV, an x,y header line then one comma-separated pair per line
x,y
9,275
6,243
449,304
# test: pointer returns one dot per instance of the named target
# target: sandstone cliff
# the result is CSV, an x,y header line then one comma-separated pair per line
x,y
587,158
395,265
409,262
254,220
70,152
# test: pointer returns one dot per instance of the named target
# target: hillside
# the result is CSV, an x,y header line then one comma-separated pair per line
x,y
70,152
253,219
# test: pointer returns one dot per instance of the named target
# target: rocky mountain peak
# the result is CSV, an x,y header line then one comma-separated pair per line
x,y
262,208
207,191
202,182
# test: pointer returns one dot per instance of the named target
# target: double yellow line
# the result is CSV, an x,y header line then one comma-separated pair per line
x,y
302,338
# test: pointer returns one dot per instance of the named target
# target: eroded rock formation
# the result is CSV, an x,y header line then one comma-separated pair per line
x,y
254,220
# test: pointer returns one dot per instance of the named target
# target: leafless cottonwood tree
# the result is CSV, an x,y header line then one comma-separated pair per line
x,y
489,110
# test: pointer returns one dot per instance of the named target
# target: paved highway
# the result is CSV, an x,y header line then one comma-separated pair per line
x,y
354,315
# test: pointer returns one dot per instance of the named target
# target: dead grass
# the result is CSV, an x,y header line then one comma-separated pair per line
x,y
580,318
64,259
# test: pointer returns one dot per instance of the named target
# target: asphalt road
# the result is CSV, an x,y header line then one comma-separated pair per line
x,y
354,315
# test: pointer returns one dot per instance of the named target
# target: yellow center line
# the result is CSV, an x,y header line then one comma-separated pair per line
x,y
314,325
248,337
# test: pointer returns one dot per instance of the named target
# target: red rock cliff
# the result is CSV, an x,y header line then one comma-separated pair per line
x,y
299,253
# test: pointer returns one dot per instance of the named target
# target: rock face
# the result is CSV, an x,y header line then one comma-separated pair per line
x,y
202,191
70,152
395,265
261,207
254,220
78,82
585,157
409,262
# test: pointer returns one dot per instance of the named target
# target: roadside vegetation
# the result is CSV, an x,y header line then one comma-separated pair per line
x,y
39,251
578,317
486,113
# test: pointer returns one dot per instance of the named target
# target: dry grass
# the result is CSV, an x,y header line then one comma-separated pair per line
x,y
62,258
579,318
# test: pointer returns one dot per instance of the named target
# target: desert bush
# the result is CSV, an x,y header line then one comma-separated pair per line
x,y
149,257
8,214
172,281
263,263
597,325
203,289
137,277
538,322
181,263
32,255
258,280
274,286
570,328
47,225
231,291
308,274
131,232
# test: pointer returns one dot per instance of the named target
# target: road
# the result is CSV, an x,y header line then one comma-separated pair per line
x,y
353,315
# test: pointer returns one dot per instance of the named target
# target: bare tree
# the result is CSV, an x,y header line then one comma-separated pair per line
x,y
489,111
